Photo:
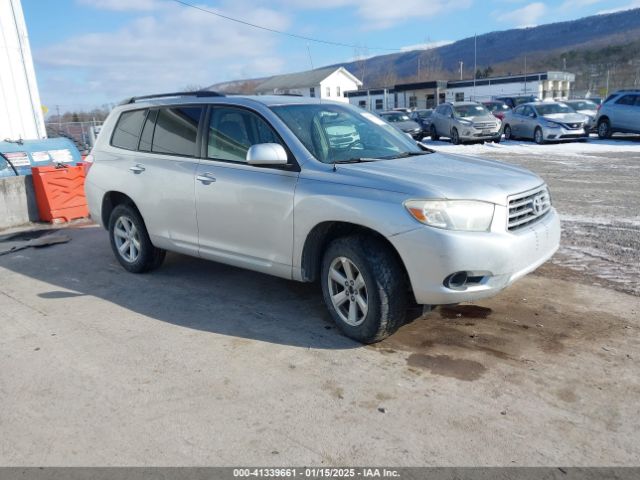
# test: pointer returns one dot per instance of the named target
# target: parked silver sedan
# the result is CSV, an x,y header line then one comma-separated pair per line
x,y
545,122
464,122
585,107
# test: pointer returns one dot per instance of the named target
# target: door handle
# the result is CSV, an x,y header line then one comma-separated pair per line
x,y
206,178
137,169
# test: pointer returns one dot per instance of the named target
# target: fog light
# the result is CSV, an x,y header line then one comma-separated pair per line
x,y
456,280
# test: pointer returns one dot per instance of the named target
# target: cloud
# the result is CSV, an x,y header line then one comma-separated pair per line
x,y
569,4
629,6
157,51
381,14
426,46
121,5
525,16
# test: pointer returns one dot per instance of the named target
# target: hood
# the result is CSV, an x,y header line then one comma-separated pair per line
x,y
566,117
480,118
406,126
589,113
439,175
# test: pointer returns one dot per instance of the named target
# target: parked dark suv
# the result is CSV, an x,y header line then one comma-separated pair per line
x,y
619,113
515,100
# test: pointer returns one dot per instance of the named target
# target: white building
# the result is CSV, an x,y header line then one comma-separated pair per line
x,y
431,93
20,108
543,85
328,83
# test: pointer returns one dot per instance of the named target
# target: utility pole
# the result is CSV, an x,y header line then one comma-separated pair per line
x,y
59,119
475,63
607,88
461,63
525,74
419,67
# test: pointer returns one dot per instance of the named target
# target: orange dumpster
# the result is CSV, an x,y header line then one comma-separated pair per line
x,y
60,193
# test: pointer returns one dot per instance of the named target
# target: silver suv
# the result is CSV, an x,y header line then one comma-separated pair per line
x,y
382,224
464,122
620,112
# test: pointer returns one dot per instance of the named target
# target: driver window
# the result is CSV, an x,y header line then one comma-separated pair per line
x,y
233,130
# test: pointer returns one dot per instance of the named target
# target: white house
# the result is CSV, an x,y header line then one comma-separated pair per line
x,y
328,83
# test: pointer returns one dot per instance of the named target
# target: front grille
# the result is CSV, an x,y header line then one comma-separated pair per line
x,y
528,207
572,126
485,125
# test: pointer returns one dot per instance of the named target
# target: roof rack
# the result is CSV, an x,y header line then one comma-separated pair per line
x,y
199,93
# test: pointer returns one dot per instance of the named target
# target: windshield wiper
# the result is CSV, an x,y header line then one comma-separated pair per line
x,y
355,160
409,154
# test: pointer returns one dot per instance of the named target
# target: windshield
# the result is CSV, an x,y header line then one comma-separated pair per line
x,y
551,108
582,105
334,133
497,107
424,113
470,110
395,117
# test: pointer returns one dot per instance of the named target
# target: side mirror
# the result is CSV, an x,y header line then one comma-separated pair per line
x,y
267,154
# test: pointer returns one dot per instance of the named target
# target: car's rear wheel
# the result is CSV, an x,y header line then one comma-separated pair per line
x,y
434,134
604,129
538,136
455,136
364,288
508,135
130,241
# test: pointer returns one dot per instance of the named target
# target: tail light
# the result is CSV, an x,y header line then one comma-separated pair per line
x,y
87,162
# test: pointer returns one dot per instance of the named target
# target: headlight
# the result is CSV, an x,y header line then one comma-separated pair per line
x,y
468,123
467,215
550,124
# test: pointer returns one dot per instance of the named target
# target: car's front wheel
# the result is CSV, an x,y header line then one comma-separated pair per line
x,y
455,136
434,133
604,129
538,136
508,135
130,241
364,288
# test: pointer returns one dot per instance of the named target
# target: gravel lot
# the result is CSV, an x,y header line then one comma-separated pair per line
x,y
204,364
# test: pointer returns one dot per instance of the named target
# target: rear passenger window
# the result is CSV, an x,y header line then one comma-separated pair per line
x,y
176,131
233,130
127,131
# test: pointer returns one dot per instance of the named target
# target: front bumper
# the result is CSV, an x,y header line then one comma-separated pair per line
x,y
496,258
475,134
563,134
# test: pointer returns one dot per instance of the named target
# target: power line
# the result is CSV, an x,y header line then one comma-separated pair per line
x,y
273,30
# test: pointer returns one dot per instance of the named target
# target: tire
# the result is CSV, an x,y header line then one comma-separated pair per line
x,y
498,139
604,129
538,136
383,290
508,135
128,235
455,136
434,134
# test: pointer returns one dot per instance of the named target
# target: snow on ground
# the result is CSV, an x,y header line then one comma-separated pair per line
x,y
593,146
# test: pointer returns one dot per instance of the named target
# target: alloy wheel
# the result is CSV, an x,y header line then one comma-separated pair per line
x,y
127,239
348,291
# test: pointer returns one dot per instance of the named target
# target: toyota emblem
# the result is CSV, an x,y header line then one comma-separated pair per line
x,y
538,204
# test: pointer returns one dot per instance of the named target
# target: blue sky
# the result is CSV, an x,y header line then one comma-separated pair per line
x,y
91,52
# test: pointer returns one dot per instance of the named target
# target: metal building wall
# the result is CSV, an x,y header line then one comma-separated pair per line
x,y
20,107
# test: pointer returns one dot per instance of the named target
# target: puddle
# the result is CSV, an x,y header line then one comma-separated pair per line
x,y
461,369
26,235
